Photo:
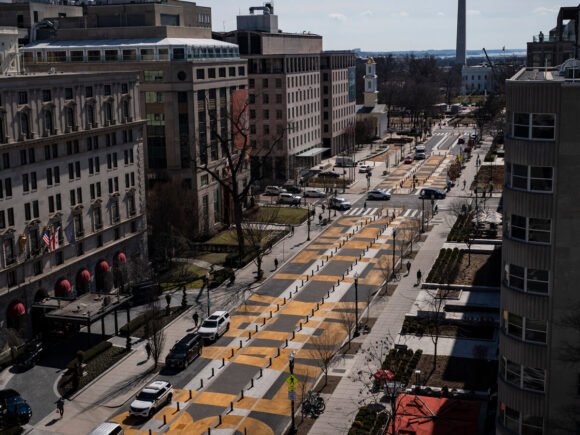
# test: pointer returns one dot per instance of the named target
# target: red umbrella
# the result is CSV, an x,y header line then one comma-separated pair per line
x,y
384,375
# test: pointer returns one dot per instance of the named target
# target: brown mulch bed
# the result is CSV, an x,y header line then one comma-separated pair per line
x,y
388,290
368,322
353,349
94,369
303,425
483,178
455,372
484,269
330,385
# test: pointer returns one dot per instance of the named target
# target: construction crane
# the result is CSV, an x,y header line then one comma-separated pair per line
x,y
495,78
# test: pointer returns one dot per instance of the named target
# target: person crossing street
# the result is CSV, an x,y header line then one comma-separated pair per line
x,y
419,276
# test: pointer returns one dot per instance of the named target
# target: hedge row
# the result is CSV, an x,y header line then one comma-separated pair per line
x,y
458,230
402,363
446,267
89,354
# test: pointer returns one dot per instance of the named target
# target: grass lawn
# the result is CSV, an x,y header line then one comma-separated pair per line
x,y
285,215
330,182
182,274
218,258
230,237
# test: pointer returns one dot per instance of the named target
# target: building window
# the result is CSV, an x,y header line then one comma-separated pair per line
x,y
200,74
22,97
528,279
115,216
152,76
509,417
68,93
204,180
241,71
211,73
535,230
46,95
97,218
538,126
525,328
522,377
222,72
530,178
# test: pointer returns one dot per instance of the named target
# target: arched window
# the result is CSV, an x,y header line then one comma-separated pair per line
x,y
108,112
24,124
48,121
70,117
90,114
126,111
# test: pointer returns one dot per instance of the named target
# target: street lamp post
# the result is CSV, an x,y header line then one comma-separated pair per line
x,y
207,280
423,215
308,238
394,247
291,357
356,333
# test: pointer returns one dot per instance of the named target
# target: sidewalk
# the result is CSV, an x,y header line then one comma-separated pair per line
x,y
96,402
343,405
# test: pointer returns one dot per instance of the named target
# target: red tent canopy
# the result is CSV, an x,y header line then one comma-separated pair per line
x,y
62,288
384,375
83,276
16,310
102,267
424,415
120,258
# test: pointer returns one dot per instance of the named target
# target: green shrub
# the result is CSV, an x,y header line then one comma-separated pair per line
x,y
87,355
136,323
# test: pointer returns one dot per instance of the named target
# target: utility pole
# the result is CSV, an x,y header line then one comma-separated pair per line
x,y
394,247
423,216
356,333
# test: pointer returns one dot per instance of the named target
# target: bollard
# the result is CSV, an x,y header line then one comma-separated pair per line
x,y
270,363
223,362
270,314
209,430
252,383
306,278
212,372
322,301
356,261
190,395
284,301
232,354
300,324
220,420
312,313
286,342
278,353
293,334
296,289
164,419
178,406
306,318
277,307
231,406
241,398
327,258
317,267
261,374
338,282
264,320
256,328
241,345
317,307
249,335
201,384
302,282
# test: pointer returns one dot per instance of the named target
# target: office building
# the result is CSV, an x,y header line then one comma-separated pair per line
x,y
287,95
187,82
72,189
538,383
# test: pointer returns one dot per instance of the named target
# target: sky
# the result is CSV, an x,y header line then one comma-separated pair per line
x,y
397,25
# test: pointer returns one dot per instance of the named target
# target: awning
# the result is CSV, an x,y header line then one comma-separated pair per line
x,y
62,288
102,267
16,310
83,276
313,152
120,258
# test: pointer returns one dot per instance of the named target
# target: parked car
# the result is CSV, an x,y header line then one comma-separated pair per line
x,y
429,193
409,159
314,193
288,198
362,169
379,194
154,396
184,351
273,190
13,408
29,355
292,188
108,429
331,174
215,326
340,204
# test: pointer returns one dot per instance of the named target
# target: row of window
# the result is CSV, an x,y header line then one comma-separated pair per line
x,y
69,93
524,328
521,376
265,98
512,420
530,178
527,279
28,156
537,230
221,72
539,126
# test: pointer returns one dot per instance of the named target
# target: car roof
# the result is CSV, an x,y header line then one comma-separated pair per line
x,y
8,393
153,387
104,428
189,337
218,313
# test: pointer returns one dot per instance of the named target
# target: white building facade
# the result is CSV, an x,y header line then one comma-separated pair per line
x,y
477,79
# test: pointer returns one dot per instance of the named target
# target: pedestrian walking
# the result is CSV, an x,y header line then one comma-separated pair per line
x,y
365,205
148,350
419,275
195,318
275,263
464,184
292,229
60,406
320,219
408,267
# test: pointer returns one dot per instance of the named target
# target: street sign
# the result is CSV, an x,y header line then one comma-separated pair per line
x,y
291,394
291,381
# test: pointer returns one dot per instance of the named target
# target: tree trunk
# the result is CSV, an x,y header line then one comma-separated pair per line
x,y
260,273
238,218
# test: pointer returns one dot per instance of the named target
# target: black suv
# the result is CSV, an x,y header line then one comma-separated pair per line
x,y
184,351
13,409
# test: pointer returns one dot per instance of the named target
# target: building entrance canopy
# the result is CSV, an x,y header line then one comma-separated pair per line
x,y
313,152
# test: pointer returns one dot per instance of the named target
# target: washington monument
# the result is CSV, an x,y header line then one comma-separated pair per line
x,y
460,47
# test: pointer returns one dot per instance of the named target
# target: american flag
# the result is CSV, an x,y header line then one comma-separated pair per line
x,y
46,239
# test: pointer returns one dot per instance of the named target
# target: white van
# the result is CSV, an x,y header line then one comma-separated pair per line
x,y
108,429
274,190
420,152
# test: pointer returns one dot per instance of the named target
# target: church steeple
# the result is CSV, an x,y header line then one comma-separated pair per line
x,y
371,92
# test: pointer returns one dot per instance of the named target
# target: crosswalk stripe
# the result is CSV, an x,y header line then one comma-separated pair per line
x,y
370,210
406,213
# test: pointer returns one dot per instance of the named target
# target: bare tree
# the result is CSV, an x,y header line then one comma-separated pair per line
x,y
347,319
231,131
156,334
324,351
435,303
261,235
465,230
